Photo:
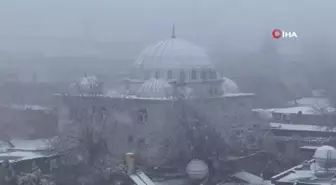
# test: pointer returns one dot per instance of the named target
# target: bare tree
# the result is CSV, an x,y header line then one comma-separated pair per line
x,y
85,142
194,136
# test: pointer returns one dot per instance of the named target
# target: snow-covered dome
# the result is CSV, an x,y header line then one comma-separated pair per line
x,y
325,156
197,169
87,84
172,54
155,88
229,86
113,93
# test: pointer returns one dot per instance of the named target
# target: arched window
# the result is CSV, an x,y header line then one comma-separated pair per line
x,y
212,74
147,75
213,91
204,75
193,74
182,76
169,74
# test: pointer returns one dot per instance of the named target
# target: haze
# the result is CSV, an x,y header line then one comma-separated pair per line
x,y
58,28
129,20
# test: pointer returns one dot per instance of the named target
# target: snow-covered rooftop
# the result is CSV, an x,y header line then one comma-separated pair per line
x,y
123,96
303,109
27,107
315,102
24,150
250,178
20,156
25,145
171,182
297,127
305,174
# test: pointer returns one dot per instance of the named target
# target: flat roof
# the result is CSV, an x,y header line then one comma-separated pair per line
x,y
300,127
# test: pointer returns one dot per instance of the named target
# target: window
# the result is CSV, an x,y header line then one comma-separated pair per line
x,y
276,116
157,74
213,91
204,75
212,74
169,74
182,75
142,116
147,75
193,74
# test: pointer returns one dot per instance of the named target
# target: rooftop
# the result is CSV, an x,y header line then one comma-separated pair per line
x,y
134,97
295,110
305,174
297,127
27,107
24,150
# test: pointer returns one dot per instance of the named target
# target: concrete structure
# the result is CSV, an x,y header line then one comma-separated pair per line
x,y
306,111
146,110
307,173
27,121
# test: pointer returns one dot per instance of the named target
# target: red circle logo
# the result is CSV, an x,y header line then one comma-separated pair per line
x,y
277,33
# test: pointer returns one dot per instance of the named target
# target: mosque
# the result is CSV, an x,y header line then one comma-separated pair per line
x,y
143,110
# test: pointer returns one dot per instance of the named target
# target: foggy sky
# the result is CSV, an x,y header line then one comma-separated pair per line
x,y
150,20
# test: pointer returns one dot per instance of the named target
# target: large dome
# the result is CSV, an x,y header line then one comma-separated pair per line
x,y
171,54
155,88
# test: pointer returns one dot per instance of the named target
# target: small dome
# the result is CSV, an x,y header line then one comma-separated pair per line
x,y
87,84
325,156
172,53
113,93
229,86
197,169
155,88
264,114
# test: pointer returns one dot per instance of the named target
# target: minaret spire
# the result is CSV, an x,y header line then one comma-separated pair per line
x,y
173,32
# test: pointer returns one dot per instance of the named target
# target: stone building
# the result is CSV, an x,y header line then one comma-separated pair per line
x,y
145,110
27,122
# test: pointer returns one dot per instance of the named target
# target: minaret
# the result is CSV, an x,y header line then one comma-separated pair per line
x,y
173,32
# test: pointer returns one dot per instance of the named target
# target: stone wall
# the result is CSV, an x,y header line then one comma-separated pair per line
x,y
154,137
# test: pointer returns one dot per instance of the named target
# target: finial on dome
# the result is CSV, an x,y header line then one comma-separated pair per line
x,y
85,74
173,32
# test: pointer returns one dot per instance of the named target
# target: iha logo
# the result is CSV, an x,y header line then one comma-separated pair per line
x,y
277,34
